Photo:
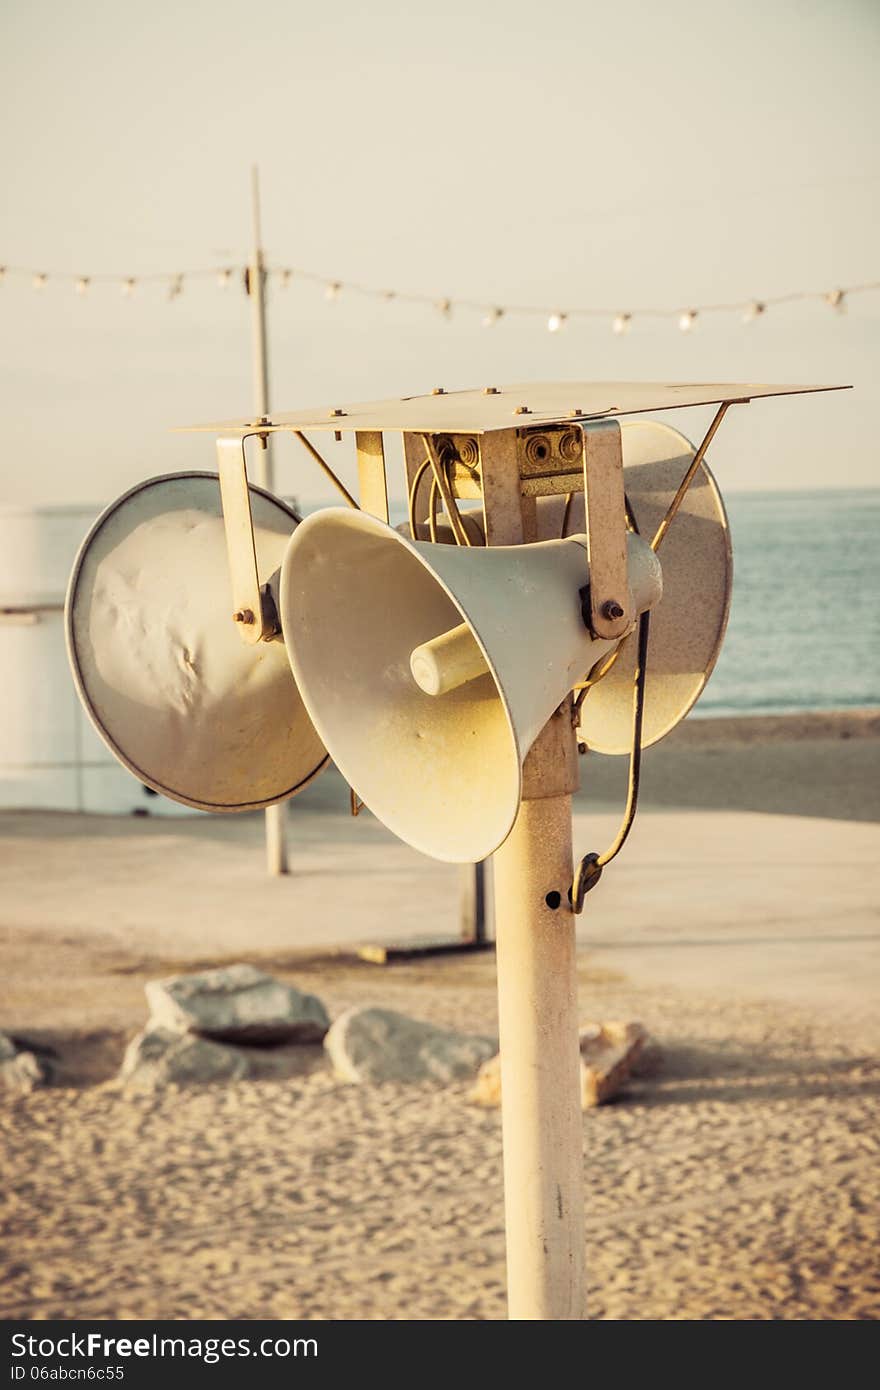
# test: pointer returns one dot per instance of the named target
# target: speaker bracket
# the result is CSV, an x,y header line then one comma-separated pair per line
x,y
609,597
249,610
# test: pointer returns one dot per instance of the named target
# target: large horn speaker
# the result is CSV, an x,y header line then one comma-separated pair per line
x,y
429,670
688,624
186,706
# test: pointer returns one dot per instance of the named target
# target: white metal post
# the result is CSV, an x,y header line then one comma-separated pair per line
x,y
540,1065
537,988
276,842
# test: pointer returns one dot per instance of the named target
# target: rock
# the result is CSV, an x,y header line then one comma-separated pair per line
x,y
20,1072
366,1044
649,1061
609,1054
236,1004
163,1057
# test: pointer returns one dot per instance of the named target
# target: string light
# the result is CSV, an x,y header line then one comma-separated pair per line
x,y
489,314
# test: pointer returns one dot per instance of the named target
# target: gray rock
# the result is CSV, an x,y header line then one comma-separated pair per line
x,y
366,1044
161,1057
236,1004
20,1072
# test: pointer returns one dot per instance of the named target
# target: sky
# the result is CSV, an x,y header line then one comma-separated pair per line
x,y
562,154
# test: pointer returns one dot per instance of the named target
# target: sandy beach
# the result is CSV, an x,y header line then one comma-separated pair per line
x,y
740,1181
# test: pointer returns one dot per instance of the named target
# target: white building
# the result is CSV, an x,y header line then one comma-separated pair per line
x,y
50,756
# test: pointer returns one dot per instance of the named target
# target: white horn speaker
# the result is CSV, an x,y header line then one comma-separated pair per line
x,y
688,624
175,694
429,670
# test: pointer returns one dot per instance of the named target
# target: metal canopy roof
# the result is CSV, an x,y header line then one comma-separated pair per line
x,y
505,407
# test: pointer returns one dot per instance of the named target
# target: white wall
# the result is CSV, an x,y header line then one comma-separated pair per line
x,y
51,758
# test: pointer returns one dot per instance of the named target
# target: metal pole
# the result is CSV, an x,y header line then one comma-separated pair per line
x,y
540,1078
472,904
276,845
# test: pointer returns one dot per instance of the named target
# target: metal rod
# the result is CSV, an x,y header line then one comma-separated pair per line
x,y
540,1065
257,293
324,465
688,477
276,844
472,903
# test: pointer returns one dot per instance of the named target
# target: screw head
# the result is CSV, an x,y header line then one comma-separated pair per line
x,y
522,410
244,615
611,609
335,413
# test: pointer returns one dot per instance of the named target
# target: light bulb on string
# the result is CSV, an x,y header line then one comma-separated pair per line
x,y
127,287
836,299
2,273
333,290
753,311
224,278
388,295
621,324
286,277
556,322
82,284
687,320
175,288
444,307
491,317
39,280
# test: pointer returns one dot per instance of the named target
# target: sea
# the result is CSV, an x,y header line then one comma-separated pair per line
x,y
804,627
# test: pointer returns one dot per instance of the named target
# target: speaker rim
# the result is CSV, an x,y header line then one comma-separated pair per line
x,y
79,683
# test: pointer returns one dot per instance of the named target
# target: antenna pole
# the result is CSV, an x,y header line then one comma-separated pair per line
x,y
276,844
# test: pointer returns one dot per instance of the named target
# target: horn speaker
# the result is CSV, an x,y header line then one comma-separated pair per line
x,y
688,624
429,670
186,706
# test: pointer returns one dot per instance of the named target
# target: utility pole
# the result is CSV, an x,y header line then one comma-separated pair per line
x,y
276,842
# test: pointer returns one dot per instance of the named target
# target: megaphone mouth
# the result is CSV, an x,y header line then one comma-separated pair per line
x,y
443,772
